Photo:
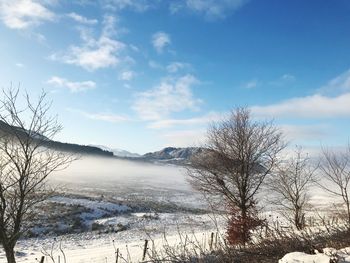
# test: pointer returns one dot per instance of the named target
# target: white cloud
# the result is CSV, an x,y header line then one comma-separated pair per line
x,y
127,75
160,40
172,95
202,120
72,86
107,117
283,80
251,84
340,83
185,138
211,9
315,106
288,77
304,132
21,14
136,5
19,65
176,66
94,53
81,19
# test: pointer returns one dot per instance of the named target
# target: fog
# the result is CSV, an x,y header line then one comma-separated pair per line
x,y
125,179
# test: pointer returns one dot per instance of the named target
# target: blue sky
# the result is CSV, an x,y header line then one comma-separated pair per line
x,y
141,75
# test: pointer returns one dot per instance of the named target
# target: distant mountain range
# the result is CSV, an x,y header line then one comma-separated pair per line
x,y
167,155
118,152
172,154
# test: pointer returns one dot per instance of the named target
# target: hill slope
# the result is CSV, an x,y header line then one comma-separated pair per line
x,y
6,129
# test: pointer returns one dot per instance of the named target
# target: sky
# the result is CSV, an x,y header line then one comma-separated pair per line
x,y
141,75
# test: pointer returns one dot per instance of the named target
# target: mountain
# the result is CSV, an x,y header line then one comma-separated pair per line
x,y
118,152
172,155
6,129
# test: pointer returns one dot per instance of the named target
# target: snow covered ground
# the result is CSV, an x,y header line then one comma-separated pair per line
x,y
103,204
101,200
100,247
339,256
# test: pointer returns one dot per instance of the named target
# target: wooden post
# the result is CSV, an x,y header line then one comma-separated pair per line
x,y
116,255
42,259
211,241
145,250
59,259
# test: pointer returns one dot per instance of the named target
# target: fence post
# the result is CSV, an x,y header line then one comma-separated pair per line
x,y
211,241
59,259
117,255
145,250
42,259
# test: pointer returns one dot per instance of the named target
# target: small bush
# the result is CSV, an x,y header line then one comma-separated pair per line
x,y
240,227
96,226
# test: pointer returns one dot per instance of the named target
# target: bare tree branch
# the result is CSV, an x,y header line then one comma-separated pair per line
x,y
239,154
26,161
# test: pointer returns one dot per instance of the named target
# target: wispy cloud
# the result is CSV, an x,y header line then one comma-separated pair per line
x,y
251,84
71,85
155,65
314,106
211,9
21,14
94,53
305,132
19,65
107,117
176,66
283,80
202,120
171,95
185,138
81,19
136,5
160,40
338,85
127,75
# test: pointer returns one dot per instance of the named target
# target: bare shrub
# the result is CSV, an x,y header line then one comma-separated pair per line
x,y
264,249
239,229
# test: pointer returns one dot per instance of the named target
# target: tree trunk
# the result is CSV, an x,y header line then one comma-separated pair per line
x,y
245,228
348,211
10,254
297,222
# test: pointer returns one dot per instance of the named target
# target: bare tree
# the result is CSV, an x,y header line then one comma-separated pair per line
x,y
238,156
26,129
335,168
291,186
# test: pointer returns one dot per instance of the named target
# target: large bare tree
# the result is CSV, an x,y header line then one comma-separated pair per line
x,y
335,170
239,154
26,159
291,186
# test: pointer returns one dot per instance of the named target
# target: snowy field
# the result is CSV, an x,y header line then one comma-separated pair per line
x,y
104,203
126,180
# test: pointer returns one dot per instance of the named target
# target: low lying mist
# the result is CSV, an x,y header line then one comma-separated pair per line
x,y
126,180
107,170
